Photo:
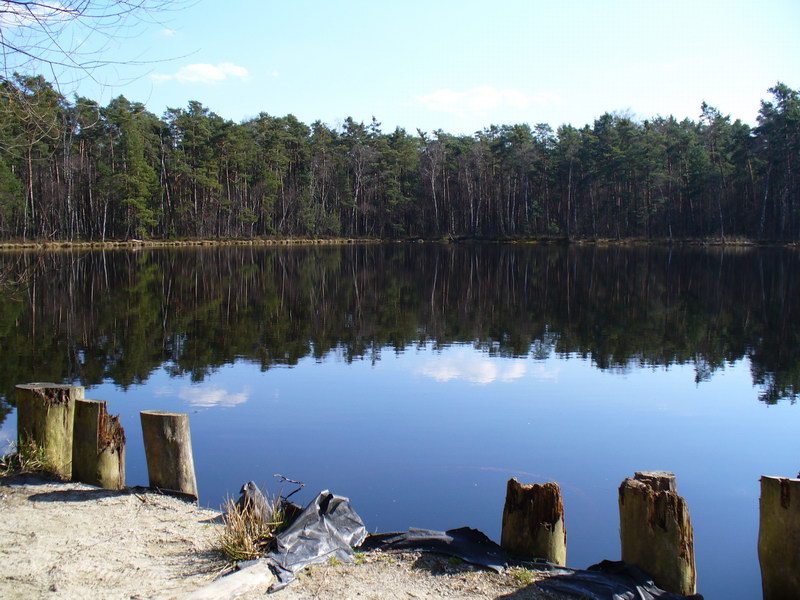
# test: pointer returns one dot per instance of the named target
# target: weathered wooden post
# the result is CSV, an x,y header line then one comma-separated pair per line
x,y
533,522
779,538
168,449
98,446
45,413
656,532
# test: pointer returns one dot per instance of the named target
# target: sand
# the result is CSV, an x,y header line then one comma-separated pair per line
x,y
73,541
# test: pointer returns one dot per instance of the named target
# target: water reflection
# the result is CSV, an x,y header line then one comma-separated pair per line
x,y
206,396
418,378
96,316
472,368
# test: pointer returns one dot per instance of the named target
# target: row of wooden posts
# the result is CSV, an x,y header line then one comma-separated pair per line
x,y
82,442
656,532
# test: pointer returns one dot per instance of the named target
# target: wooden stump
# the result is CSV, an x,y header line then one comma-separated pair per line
x,y
98,446
168,448
779,538
656,532
45,413
533,522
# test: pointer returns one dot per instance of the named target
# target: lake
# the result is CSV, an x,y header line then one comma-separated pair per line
x,y
416,379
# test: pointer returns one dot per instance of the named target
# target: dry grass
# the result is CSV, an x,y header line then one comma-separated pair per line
x,y
245,535
31,458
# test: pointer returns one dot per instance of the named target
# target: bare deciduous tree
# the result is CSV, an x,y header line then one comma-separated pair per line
x,y
69,36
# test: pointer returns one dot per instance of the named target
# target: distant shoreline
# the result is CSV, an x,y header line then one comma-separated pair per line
x,y
135,244
212,242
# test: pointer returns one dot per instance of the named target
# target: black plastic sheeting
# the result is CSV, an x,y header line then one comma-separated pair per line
x,y
329,527
470,545
610,580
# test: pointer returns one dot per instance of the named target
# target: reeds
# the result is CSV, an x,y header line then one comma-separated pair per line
x,y
246,534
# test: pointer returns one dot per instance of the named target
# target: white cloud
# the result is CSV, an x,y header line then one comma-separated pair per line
x,y
543,373
205,73
476,101
476,370
206,397
169,32
516,370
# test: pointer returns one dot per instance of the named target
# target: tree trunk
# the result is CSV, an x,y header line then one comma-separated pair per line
x,y
45,416
98,447
533,522
779,538
168,449
656,532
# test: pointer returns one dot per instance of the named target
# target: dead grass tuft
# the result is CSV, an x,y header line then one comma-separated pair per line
x,y
31,458
245,535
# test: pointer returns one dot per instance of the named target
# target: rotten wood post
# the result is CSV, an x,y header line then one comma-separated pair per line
x,y
779,538
656,532
45,414
533,522
168,449
98,446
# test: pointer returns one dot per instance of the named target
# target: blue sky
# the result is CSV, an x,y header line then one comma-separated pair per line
x,y
459,65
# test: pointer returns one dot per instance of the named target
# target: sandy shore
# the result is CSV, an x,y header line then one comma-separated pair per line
x,y
73,541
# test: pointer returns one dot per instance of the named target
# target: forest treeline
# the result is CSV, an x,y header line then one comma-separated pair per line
x,y
73,170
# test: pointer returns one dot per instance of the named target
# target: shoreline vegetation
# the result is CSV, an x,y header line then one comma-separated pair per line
x,y
137,244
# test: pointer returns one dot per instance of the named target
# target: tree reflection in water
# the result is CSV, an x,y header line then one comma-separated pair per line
x,y
119,315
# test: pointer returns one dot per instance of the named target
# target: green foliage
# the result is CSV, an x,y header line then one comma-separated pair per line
x,y
524,576
11,196
76,170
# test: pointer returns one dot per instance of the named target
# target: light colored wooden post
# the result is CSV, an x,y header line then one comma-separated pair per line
x,y
45,413
533,522
779,538
656,532
98,446
168,448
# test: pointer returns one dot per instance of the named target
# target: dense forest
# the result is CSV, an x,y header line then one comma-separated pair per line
x,y
73,170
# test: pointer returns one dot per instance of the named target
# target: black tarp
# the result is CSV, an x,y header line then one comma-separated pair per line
x,y
610,580
470,545
327,527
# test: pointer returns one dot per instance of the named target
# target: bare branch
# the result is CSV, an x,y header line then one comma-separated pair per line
x,y
71,36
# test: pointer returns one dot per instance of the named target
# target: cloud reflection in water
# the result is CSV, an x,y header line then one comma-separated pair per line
x,y
210,396
473,369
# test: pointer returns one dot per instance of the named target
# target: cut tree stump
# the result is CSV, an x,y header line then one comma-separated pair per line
x,y
779,538
45,415
168,449
98,446
533,522
656,532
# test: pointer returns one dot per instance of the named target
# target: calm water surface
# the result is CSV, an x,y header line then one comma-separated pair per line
x,y
416,379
